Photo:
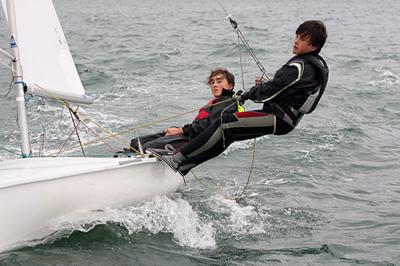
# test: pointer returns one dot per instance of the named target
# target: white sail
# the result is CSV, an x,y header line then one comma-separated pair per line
x,y
36,191
47,64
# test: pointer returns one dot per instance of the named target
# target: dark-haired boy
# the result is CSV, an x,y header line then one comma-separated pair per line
x,y
294,91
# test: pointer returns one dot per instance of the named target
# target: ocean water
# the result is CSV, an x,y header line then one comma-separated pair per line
x,y
326,194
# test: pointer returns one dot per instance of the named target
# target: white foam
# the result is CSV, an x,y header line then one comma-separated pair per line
x,y
385,77
242,220
161,215
278,181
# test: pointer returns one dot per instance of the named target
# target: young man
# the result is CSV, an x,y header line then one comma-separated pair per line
x,y
221,83
294,91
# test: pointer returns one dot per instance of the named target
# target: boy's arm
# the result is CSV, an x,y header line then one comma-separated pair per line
x,y
197,126
173,131
286,76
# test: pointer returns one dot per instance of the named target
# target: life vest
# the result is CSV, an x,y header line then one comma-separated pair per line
x,y
240,107
203,112
287,111
312,101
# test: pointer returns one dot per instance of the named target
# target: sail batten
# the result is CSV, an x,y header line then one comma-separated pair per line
x,y
44,53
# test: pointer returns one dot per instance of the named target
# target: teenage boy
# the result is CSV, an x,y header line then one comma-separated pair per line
x,y
294,91
222,83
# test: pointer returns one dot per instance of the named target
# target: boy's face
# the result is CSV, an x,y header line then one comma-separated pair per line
x,y
302,45
218,83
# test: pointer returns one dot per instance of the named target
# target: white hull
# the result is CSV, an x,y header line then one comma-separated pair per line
x,y
33,192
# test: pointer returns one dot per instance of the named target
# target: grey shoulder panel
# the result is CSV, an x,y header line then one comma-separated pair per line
x,y
300,69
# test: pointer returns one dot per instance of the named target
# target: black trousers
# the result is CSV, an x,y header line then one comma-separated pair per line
x,y
230,128
159,140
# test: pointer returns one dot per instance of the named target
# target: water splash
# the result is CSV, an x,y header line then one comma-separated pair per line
x,y
238,221
161,215
385,77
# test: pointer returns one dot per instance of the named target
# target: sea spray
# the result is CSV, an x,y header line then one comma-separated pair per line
x,y
160,215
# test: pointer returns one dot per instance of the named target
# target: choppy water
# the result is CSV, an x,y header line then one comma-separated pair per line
x,y
326,194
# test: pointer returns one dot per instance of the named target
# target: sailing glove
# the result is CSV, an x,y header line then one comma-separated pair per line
x,y
238,95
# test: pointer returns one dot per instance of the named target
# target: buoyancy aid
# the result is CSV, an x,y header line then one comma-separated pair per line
x,y
209,113
302,93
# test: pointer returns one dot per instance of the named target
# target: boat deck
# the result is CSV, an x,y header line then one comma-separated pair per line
x,y
20,171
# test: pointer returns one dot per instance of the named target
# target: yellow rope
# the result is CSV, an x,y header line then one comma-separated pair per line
x,y
162,119
148,124
217,190
67,105
142,125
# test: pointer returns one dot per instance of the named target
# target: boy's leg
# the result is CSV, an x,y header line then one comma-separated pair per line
x,y
145,139
159,143
251,124
215,139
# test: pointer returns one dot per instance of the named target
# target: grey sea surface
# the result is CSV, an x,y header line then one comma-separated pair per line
x,y
328,193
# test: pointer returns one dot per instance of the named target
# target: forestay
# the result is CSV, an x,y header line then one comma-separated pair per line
x,y
47,64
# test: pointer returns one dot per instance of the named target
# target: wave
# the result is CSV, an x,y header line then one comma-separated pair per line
x,y
160,215
384,77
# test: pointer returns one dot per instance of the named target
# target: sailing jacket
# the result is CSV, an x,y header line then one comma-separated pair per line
x,y
295,89
210,113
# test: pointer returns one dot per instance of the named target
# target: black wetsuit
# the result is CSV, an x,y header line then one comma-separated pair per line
x,y
295,90
207,116
210,113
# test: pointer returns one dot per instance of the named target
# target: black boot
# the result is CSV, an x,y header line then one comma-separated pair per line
x,y
173,161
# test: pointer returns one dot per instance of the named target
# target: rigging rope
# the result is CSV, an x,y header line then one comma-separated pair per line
x,y
241,38
142,125
147,124
77,115
112,135
10,151
241,65
4,52
216,189
219,191
65,142
42,138
76,129
10,87
240,35
6,65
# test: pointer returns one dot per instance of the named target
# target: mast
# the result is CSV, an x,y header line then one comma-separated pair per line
x,y
18,83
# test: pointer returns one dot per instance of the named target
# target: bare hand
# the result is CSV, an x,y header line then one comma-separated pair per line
x,y
173,131
259,80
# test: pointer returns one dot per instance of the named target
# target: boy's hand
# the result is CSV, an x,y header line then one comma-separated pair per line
x,y
240,96
245,96
259,80
173,131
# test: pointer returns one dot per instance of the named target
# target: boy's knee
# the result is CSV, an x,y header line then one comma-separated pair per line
x,y
228,118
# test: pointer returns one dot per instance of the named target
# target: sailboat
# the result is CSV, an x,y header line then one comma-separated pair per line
x,y
36,191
